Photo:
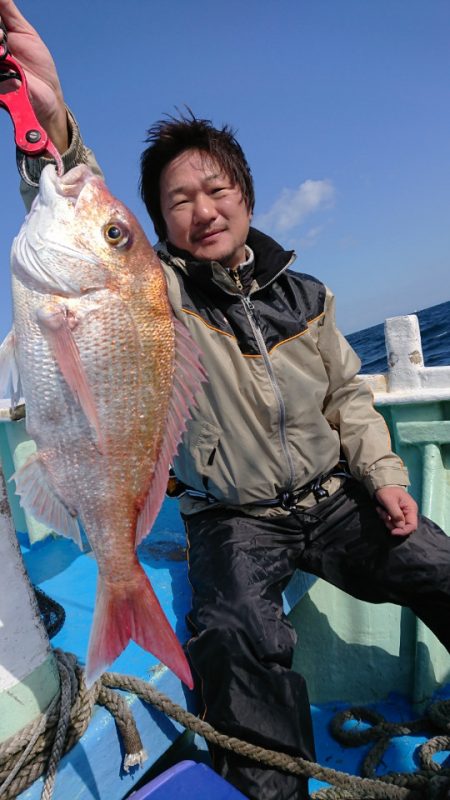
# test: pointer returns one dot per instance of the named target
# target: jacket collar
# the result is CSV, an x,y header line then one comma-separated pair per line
x,y
270,260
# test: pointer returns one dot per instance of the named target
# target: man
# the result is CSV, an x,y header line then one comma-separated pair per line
x,y
263,491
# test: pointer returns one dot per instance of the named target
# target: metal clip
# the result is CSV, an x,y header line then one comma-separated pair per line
x,y
287,501
29,135
317,489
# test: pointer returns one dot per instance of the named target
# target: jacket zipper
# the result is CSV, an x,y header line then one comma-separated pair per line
x,y
234,272
249,309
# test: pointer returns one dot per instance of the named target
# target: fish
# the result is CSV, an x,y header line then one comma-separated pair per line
x,y
109,379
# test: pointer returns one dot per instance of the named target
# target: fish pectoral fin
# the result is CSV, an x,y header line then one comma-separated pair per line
x,y
9,371
57,323
39,499
133,612
188,376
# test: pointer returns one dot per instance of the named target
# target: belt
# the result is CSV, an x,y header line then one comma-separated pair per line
x,y
286,499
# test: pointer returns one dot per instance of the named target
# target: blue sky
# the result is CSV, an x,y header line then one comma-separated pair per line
x,y
342,107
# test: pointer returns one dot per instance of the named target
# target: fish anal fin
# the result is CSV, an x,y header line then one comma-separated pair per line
x,y
57,324
132,612
188,376
40,500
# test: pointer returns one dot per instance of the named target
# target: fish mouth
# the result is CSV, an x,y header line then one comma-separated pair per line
x,y
42,240
69,186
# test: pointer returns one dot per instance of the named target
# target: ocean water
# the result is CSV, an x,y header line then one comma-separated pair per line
x,y
435,332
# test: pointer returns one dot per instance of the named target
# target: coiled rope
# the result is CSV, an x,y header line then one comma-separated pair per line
x,y
39,747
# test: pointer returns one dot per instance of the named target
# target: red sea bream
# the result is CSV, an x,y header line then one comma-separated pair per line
x,y
108,376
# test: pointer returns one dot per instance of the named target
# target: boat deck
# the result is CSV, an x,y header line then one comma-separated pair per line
x,y
93,768
402,753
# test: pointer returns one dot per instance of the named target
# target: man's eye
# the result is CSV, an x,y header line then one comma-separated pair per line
x,y
219,189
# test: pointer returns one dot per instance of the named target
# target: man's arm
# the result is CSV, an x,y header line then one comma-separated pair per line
x,y
46,96
363,432
44,87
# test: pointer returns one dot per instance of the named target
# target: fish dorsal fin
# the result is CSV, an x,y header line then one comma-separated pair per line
x,y
9,373
188,376
39,499
56,327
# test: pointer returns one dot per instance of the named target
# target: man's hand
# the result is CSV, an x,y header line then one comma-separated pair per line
x,y
44,87
397,509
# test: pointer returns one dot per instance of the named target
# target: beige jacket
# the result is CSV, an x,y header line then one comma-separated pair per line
x,y
306,383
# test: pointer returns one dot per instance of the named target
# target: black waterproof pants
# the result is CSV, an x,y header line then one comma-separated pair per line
x,y
242,644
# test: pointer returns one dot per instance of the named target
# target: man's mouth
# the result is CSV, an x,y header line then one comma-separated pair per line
x,y
202,237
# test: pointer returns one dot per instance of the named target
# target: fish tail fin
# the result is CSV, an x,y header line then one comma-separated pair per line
x,y
132,614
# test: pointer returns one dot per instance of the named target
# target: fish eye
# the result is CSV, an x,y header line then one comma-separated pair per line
x,y
115,235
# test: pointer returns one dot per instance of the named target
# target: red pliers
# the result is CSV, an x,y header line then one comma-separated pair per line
x,y
30,137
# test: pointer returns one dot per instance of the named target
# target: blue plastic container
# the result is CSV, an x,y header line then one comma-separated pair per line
x,y
188,780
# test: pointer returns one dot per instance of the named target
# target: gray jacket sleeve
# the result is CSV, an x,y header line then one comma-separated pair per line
x,y
349,409
77,153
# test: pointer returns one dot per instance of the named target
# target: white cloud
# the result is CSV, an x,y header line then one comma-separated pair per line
x,y
293,206
310,238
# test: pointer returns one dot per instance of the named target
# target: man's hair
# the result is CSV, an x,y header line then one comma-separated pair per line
x,y
169,137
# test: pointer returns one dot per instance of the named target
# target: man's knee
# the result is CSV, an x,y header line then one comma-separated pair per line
x,y
243,624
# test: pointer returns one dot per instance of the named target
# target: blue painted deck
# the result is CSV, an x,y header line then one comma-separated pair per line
x,y
402,754
93,768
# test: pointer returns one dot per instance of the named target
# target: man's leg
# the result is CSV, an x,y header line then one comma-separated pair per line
x,y
242,647
350,547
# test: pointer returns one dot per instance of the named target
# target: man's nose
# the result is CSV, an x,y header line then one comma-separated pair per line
x,y
204,209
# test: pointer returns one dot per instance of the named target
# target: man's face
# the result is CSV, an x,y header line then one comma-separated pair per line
x,y
204,211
